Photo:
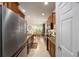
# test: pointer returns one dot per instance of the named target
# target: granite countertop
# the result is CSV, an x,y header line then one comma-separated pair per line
x,y
52,39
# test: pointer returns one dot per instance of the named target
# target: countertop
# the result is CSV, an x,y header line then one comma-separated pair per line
x,y
52,39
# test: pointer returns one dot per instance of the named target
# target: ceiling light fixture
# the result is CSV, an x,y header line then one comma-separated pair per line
x,y
28,16
43,14
24,10
46,3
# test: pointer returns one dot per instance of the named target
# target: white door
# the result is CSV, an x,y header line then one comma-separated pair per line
x,y
65,30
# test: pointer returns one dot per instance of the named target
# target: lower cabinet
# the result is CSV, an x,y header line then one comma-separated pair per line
x,y
51,48
52,53
48,45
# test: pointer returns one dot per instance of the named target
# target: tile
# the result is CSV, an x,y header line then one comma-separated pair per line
x,y
40,51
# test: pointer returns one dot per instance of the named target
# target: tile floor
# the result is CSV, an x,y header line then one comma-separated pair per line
x,y
40,51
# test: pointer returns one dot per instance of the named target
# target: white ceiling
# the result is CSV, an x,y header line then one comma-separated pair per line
x,y
35,9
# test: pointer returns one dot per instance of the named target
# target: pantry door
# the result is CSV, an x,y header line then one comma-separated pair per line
x,y
65,30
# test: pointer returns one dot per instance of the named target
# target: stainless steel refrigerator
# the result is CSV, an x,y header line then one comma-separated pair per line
x,y
0,31
12,32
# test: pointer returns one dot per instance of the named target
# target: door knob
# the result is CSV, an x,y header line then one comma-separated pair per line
x,y
59,48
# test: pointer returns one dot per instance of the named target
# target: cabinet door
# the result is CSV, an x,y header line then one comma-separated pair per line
x,y
48,45
52,49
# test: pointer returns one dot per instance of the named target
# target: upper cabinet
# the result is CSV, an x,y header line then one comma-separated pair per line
x,y
14,6
51,20
54,18
1,3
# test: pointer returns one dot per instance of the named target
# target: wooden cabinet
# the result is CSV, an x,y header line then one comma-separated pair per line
x,y
48,45
51,20
54,18
52,53
14,7
51,47
1,3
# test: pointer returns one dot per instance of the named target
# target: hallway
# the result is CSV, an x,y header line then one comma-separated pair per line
x,y
40,51
23,25
29,29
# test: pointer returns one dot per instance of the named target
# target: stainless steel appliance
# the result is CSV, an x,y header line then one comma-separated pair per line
x,y
0,31
13,32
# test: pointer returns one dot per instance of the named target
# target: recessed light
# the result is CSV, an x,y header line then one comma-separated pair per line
x,y
46,3
43,14
24,10
28,16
